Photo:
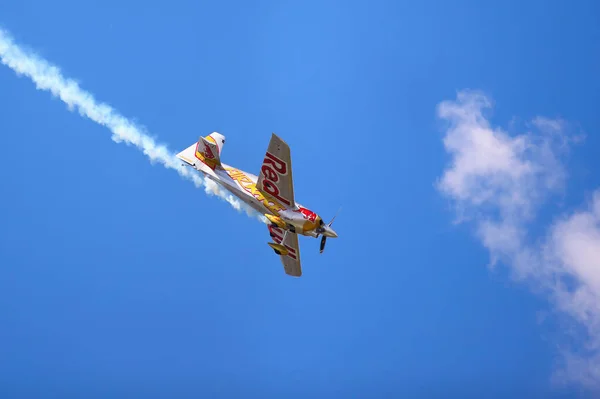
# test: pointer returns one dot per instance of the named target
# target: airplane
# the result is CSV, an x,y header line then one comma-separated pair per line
x,y
271,194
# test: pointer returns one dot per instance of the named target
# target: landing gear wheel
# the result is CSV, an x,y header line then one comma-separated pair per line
x,y
277,252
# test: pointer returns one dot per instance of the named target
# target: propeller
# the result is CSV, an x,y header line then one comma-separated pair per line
x,y
322,230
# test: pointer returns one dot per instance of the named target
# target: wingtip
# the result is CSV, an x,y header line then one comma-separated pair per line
x,y
278,138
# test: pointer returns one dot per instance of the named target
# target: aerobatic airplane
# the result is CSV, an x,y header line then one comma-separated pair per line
x,y
271,194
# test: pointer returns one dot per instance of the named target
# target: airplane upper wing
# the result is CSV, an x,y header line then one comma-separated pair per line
x,y
291,261
275,177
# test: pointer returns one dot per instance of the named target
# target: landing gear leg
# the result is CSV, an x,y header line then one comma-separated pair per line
x,y
282,242
278,246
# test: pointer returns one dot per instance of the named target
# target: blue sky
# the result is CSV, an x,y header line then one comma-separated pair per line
x,y
119,278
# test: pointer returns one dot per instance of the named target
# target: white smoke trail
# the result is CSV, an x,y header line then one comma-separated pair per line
x,y
49,78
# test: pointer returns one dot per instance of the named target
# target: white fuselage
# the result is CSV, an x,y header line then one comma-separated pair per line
x,y
204,156
243,185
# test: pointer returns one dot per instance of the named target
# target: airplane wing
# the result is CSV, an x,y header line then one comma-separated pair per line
x,y
275,177
291,261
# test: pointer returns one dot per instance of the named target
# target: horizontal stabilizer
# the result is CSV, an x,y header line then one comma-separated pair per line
x,y
188,156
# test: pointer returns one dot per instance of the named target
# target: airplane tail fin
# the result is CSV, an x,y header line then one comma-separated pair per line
x,y
217,139
207,150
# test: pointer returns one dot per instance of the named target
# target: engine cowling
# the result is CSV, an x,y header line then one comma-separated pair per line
x,y
302,219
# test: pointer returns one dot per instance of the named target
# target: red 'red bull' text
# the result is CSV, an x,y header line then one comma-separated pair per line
x,y
272,168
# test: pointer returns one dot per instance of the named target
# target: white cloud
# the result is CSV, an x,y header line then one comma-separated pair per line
x,y
498,181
